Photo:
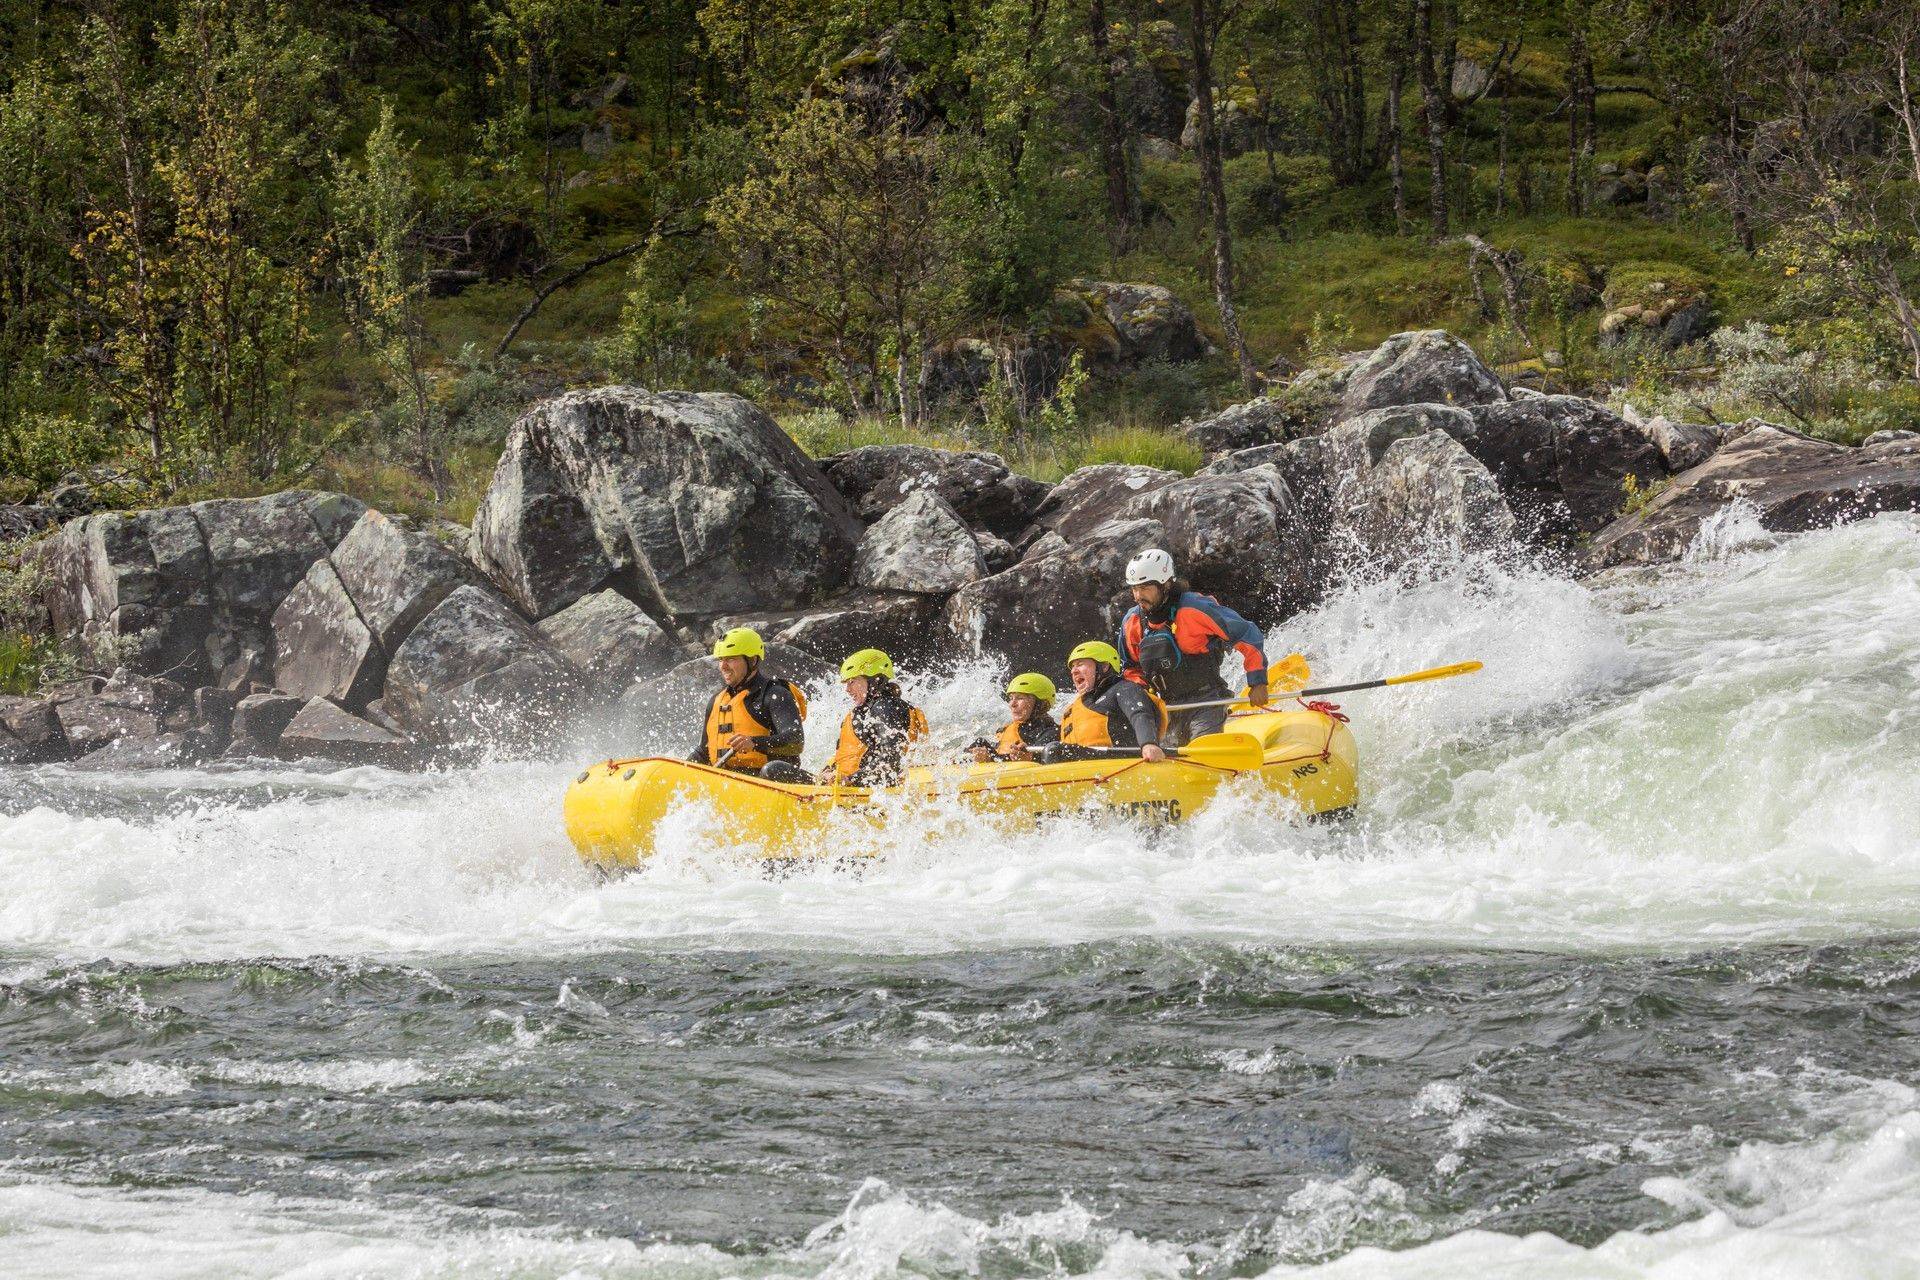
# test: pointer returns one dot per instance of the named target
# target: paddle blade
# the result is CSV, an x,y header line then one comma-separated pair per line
x,y
1224,751
1288,675
1436,673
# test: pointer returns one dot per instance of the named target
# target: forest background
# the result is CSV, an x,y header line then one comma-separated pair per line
x,y
249,245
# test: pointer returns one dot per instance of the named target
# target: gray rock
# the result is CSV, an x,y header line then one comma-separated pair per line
x,y
1238,536
1427,366
325,729
699,502
259,719
1691,323
1562,462
921,546
1794,484
1241,426
22,520
980,486
1888,437
532,534
1681,444
473,671
996,551
905,625
33,727
1032,614
1304,464
162,751
321,647
1093,495
612,641
1406,489
394,576
189,589
92,721
1151,322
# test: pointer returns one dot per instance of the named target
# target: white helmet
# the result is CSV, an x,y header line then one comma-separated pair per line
x,y
1152,565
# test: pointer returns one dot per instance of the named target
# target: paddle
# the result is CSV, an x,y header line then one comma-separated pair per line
x,y
725,756
1221,750
1432,673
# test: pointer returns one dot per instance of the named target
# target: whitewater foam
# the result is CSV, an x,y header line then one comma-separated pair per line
x,y
1717,752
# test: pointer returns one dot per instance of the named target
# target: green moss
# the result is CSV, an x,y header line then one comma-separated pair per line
x,y
1655,285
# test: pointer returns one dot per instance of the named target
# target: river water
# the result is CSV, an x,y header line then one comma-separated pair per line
x,y
1617,973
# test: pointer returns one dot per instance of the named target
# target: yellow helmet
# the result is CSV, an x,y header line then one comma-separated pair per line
x,y
741,642
1032,682
866,662
1099,650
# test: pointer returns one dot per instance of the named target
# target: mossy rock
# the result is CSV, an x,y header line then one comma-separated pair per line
x,y
1077,320
1656,288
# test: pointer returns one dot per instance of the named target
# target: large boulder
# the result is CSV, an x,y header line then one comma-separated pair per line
x,y
1304,464
32,729
1152,324
698,504
20,521
258,721
1681,445
905,625
612,641
980,486
921,546
128,706
1563,462
1427,366
475,671
1793,482
1239,536
1241,426
1404,487
1093,495
189,590
1060,594
321,647
394,576
324,729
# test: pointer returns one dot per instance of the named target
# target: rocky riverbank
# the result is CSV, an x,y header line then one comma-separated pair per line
x,y
624,528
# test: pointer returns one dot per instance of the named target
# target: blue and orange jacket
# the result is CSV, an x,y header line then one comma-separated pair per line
x,y
1202,629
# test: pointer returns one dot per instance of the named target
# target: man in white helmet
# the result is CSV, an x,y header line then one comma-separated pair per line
x,y
1173,640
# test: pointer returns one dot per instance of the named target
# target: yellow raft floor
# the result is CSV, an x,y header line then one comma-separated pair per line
x,y
613,808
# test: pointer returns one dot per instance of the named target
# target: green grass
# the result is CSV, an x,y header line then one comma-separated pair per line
x,y
822,433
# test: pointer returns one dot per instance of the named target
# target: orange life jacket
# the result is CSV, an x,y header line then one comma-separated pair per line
x,y
729,714
1082,726
852,752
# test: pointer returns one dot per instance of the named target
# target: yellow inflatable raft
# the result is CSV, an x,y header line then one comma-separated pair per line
x,y
613,807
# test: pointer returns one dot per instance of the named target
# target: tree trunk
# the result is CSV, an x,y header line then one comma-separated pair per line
x,y
1436,114
1396,136
1122,206
1902,75
1213,180
1500,182
1579,109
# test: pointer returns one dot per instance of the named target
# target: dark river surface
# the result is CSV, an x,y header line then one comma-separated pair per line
x,y
1616,973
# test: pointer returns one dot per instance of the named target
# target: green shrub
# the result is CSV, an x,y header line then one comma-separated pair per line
x,y
1892,408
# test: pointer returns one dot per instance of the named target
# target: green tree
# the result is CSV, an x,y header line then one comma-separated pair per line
x,y
380,267
853,230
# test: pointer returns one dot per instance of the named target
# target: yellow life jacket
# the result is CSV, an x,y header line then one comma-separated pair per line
x,y
852,752
729,714
1082,726
1009,739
